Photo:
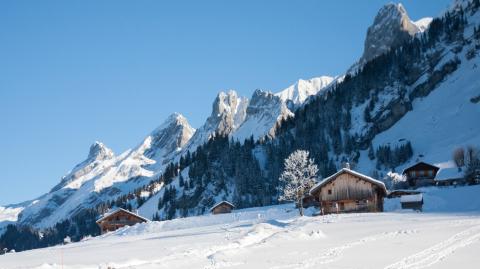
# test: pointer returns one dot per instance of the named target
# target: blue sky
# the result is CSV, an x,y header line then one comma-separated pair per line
x,y
74,72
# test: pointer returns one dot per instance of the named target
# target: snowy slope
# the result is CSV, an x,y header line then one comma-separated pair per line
x,y
275,237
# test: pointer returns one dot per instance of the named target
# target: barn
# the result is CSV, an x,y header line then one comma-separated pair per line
x,y
349,191
222,207
118,218
421,174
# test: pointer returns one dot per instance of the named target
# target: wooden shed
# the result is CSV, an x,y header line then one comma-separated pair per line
x,y
349,191
118,218
421,174
412,201
222,207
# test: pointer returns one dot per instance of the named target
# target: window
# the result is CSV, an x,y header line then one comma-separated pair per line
x,y
329,191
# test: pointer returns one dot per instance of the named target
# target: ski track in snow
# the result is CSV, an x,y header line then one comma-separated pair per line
x,y
438,252
335,253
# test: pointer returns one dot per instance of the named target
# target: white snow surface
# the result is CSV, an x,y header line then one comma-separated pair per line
x,y
275,237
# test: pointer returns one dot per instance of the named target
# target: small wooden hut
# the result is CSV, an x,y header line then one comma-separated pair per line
x,y
118,218
349,191
412,201
222,207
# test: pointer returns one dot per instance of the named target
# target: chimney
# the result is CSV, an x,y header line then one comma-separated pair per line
x,y
347,165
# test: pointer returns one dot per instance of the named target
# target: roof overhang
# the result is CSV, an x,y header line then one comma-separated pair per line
x,y
322,183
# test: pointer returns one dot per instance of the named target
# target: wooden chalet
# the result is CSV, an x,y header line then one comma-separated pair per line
x,y
118,218
349,191
412,201
420,174
222,207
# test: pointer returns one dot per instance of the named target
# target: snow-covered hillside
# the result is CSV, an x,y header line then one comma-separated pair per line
x,y
275,237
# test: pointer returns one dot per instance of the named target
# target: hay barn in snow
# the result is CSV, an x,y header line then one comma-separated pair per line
x,y
349,191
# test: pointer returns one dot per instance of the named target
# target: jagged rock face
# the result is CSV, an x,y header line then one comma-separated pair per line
x,y
263,113
166,141
98,151
391,27
228,113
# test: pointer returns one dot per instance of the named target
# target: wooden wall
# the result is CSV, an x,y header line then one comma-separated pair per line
x,y
118,220
349,193
221,209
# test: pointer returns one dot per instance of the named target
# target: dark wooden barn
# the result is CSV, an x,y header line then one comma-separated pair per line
x,y
349,191
421,174
412,201
222,207
118,218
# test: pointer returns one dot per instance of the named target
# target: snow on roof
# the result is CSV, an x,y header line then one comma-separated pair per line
x,y
354,173
448,173
111,212
419,164
411,198
221,202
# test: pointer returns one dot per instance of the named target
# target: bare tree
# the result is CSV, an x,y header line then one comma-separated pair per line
x,y
472,163
297,177
459,157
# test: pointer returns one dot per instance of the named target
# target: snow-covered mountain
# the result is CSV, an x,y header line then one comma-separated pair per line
x,y
104,176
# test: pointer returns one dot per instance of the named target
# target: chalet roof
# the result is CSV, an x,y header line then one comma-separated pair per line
x,y
420,165
221,202
411,198
448,173
106,215
351,172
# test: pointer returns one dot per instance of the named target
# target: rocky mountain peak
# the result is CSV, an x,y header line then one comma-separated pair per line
x,y
391,27
98,151
228,112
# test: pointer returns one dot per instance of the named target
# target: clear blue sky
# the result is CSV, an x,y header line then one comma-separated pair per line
x,y
73,72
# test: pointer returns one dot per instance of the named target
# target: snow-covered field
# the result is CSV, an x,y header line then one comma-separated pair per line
x,y
275,237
